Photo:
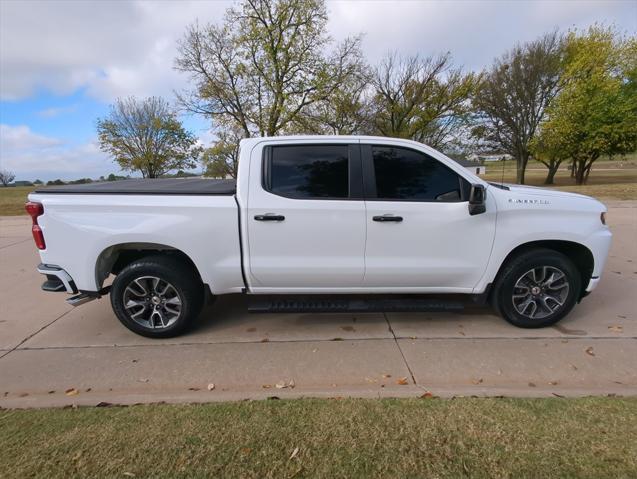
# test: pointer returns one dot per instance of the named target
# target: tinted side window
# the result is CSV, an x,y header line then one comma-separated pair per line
x,y
405,174
309,171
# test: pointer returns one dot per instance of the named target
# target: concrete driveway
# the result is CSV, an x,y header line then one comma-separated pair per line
x,y
52,354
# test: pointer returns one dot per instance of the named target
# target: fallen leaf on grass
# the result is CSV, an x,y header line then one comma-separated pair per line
x,y
143,380
266,386
386,376
477,381
211,386
402,381
427,395
103,404
71,392
23,395
283,384
616,329
531,385
128,474
553,383
589,351
193,389
294,453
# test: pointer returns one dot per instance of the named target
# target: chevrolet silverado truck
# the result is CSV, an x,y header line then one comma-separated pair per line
x,y
321,223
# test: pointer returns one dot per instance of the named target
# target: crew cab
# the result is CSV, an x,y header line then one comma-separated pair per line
x,y
321,223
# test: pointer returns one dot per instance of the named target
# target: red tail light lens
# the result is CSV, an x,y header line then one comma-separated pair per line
x,y
34,210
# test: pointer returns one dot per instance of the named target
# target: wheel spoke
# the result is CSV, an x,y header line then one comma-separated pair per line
x,y
152,302
540,292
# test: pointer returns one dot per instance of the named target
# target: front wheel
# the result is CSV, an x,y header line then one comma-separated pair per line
x,y
157,296
537,289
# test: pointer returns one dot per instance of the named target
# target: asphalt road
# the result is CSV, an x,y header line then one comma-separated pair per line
x,y
48,348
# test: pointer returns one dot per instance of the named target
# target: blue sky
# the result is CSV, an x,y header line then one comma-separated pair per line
x,y
63,62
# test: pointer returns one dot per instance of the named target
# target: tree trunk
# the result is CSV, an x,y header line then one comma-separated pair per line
x,y
580,172
522,160
550,177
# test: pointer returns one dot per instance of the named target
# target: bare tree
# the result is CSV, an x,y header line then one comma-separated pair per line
x,y
265,65
6,177
424,99
514,95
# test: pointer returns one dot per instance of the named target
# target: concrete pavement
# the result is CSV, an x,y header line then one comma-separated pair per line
x,y
48,348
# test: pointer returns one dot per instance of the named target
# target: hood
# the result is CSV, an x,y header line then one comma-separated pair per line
x,y
547,192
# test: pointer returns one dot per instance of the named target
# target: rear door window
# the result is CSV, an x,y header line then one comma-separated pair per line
x,y
308,171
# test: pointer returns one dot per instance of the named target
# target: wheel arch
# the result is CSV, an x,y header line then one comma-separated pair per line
x,y
116,257
580,255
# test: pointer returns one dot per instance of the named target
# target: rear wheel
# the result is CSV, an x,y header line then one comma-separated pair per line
x,y
157,296
537,289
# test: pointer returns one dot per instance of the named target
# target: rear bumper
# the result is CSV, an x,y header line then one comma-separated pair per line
x,y
57,279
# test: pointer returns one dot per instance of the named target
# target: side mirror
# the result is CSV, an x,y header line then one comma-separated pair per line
x,y
477,199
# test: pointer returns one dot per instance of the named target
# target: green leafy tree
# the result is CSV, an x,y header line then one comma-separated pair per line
x,y
265,65
595,113
514,94
348,110
222,159
146,136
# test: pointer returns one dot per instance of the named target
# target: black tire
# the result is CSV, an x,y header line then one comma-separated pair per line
x,y
185,286
517,278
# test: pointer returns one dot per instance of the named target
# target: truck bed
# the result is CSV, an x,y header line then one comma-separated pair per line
x,y
155,186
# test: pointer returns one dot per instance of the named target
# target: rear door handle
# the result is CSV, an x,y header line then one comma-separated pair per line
x,y
385,218
269,217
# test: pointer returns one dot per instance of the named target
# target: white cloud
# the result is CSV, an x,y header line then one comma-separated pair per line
x,y
32,156
474,32
56,111
112,48
116,48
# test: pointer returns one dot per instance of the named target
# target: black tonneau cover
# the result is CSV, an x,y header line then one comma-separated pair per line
x,y
155,186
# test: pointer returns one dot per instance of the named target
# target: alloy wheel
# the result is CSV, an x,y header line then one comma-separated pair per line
x,y
540,292
152,302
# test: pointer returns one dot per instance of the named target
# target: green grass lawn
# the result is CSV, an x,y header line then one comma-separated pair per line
x,y
463,437
12,200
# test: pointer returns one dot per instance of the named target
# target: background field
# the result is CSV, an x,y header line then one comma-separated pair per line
x,y
610,179
462,437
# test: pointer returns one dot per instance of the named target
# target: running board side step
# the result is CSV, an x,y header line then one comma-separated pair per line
x,y
86,296
309,305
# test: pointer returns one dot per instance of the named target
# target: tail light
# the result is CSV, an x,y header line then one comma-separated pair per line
x,y
34,210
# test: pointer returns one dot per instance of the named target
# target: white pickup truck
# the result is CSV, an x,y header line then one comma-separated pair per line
x,y
321,223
